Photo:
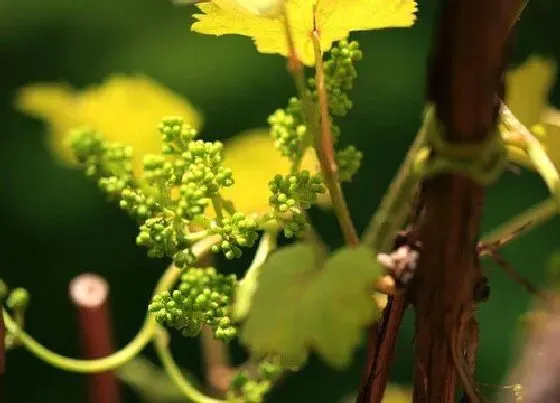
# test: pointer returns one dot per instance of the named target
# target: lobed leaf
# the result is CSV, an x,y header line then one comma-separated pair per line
x,y
300,306
333,20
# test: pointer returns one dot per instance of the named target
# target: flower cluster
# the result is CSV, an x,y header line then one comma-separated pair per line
x,y
203,297
290,195
247,389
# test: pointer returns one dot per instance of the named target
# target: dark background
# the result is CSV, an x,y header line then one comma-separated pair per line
x,y
54,223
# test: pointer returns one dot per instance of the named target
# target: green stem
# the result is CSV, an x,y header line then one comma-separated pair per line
x,y
142,338
248,284
161,344
324,147
515,131
218,207
196,236
295,68
396,203
521,223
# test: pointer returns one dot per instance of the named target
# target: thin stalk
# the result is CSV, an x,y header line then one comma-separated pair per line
x,y
518,225
296,69
512,273
113,361
396,203
161,344
325,151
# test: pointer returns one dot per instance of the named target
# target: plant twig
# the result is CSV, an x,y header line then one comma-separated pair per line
x,y
216,362
89,293
215,354
381,345
325,152
512,273
518,226
161,344
392,212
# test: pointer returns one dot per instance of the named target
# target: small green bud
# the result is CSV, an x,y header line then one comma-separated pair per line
x,y
18,299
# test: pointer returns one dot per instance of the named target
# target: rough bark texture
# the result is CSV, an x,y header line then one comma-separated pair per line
x,y
466,74
381,345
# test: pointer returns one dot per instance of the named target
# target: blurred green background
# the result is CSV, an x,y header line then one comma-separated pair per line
x,y
55,224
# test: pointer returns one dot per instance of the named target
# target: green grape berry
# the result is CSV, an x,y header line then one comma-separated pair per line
x,y
290,195
159,236
288,130
340,74
236,232
18,299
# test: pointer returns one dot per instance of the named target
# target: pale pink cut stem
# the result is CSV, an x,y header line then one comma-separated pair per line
x,y
89,294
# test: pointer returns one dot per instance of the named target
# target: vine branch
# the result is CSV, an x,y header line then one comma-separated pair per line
x,y
325,152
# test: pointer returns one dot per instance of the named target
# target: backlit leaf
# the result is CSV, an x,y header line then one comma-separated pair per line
x,y
302,305
333,20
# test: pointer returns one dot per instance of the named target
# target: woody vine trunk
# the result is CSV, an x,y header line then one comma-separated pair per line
x,y
466,84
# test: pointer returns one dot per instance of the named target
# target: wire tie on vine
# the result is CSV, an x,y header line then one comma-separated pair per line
x,y
482,162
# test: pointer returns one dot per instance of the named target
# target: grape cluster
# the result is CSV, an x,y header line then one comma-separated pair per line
x,y
348,162
235,232
159,235
340,74
203,296
138,204
110,162
291,194
243,389
288,130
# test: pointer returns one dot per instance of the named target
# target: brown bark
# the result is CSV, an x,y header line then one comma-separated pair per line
x,y
381,346
89,294
465,76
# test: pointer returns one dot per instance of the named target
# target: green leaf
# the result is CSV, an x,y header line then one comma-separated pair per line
x,y
300,306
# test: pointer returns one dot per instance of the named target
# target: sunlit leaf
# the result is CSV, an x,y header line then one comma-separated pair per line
x,y
254,160
301,305
125,109
334,20
528,87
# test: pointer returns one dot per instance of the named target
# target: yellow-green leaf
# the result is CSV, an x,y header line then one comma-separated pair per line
x,y
333,20
528,87
300,306
254,160
125,109
528,90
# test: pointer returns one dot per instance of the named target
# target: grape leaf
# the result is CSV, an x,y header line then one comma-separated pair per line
x,y
528,90
528,87
254,160
300,306
125,109
335,19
